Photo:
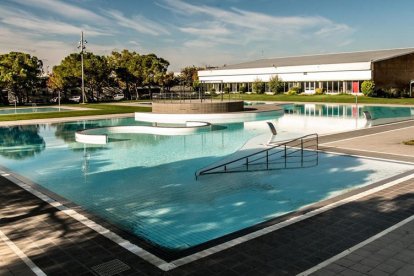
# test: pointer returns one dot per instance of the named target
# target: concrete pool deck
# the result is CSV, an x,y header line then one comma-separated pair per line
x,y
57,244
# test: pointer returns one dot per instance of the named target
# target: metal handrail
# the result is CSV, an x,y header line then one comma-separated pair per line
x,y
281,147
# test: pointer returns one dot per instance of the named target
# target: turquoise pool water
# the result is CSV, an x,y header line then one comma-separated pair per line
x,y
8,111
145,184
338,110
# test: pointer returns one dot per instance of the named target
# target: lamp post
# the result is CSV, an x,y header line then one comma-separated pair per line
x,y
82,47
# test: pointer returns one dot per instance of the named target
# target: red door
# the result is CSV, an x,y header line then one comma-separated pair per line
x,y
355,87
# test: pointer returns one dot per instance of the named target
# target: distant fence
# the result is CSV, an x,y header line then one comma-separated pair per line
x,y
194,97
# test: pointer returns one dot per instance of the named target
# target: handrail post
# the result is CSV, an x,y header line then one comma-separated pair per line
x,y
247,163
317,149
301,152
267,160
285,157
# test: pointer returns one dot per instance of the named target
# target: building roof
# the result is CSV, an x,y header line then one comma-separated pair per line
x,y
367,56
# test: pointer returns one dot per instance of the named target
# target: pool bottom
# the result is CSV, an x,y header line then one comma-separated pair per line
x,y
167,259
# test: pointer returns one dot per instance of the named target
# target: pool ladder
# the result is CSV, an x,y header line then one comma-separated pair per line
x,y
301,152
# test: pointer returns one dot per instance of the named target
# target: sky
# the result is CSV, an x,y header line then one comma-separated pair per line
x,y
204,33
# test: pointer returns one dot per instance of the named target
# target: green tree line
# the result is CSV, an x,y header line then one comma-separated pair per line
x,y
21,74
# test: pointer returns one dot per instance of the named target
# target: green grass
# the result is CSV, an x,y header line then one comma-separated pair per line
x,y
99,109
409,142
326,99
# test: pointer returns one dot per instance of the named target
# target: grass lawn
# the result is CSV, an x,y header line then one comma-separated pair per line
x,y
99,109
326,99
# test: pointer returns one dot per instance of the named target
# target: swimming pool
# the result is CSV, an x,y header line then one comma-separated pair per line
x,y
145,183
9,111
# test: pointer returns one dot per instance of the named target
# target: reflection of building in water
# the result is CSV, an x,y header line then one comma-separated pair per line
x,y
315,118
326,110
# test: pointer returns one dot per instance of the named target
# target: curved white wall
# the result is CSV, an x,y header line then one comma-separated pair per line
x,y
232,117
99,136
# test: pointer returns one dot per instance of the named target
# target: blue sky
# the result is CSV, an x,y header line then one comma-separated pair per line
x,y
209,32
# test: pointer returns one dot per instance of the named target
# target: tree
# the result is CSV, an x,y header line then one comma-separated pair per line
x,y
56,83
368,87
126,70
189,75
275,85
68,74
20,74
167,81
97,73
258,86
154,69
132,70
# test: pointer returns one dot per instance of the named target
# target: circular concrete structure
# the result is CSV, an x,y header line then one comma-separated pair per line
x,y
197,107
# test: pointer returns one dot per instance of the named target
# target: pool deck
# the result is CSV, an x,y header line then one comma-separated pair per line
x,y
369,231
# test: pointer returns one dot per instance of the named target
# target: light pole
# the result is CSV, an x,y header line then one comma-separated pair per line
x,y
82,47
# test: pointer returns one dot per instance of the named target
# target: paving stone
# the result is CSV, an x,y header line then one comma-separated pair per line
x,y
406,270
324,272
361,268
335,268
377,272
350,272
371,262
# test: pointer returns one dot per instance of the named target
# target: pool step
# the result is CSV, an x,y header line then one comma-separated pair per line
x,y
301,152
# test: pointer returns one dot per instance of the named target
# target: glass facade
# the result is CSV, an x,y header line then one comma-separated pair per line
x,y
306,87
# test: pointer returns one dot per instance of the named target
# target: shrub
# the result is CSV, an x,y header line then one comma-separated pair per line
x,y
226,89
319,91
243,89
258,86
392,92
367,88
294,90
275,85
213,90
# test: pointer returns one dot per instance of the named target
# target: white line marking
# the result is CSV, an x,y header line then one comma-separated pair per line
x,y
368,157
372,151
356,247
366,135
36,270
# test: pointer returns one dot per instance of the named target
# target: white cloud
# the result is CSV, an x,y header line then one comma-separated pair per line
x,y
64,9
24,20
213,30
138,23
246,27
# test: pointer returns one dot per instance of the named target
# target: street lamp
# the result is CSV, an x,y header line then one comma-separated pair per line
x,y
82,47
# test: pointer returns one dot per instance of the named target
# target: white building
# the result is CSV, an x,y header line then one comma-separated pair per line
x,y
337,73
